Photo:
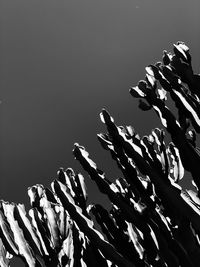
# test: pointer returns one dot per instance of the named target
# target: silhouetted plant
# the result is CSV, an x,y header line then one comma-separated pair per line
x,y
152,220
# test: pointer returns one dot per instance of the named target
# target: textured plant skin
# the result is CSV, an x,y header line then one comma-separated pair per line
x,y
152,221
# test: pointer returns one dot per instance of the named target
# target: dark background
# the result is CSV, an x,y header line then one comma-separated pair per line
x,y
61,62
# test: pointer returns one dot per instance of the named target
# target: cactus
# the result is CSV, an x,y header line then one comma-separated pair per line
x,y
152,221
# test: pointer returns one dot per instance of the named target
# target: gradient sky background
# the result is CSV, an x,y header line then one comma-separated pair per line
x,y
61,62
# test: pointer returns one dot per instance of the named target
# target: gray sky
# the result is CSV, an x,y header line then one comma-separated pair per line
x,y
61,62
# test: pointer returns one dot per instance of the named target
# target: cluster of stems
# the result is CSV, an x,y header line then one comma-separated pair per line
x,y
152,221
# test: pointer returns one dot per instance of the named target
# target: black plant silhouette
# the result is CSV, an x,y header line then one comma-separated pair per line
x,y
153,221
